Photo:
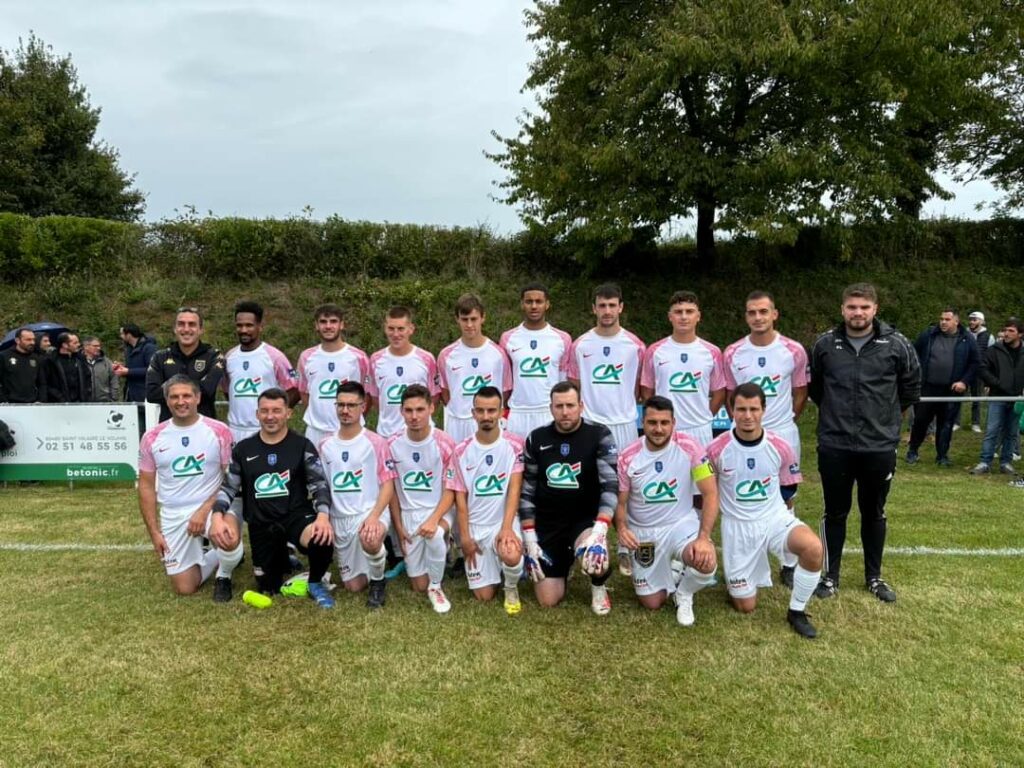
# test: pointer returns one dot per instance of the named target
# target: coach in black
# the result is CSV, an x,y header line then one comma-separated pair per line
x,y
276,472
864,374
189,356
570,488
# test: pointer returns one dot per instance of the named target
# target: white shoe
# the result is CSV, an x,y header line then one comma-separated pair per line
x,y
676,567
626,565
438,600
684,608
956,427
600,602
976,428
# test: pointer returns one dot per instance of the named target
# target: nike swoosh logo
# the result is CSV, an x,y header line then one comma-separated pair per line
x,y
662,362
470,469
251,458
515,349
545,447
161,450
456,368
585,355
742,367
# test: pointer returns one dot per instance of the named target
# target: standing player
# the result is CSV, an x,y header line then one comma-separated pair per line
x,y
655,519
686,369
190,356
758,474
539,354
280,481
323,367
252,368
486,474
421,511
395,367
466,365
361,476
188,454
568,500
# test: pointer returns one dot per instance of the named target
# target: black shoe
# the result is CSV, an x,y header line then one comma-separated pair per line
x,y
376,595
881,590
786,575
458,568
294,565
222,590
801,624
827,587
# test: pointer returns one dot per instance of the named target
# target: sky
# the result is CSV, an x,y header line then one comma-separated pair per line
x,y
379,111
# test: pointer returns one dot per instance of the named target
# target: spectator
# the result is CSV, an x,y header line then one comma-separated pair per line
x,y
138,351
43,344
984,339
66,373
949,365
21,371
1002,370
101,371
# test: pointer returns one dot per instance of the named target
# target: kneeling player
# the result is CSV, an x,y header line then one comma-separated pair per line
x,y
568,500
421,511
658,477
361,473
757,479
275,473
188,455
486,474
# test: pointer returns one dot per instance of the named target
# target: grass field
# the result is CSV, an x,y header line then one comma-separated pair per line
x,y
102,666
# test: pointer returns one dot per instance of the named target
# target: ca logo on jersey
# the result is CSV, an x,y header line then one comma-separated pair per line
x,y
328,389
685,382
490,485
416,480
753,491
534,367
660,492
188,466
607,374
348,481
247,387
272,484
768,384
472,384
564,475
394,393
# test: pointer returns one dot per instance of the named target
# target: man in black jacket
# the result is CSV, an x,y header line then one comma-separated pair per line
x,y
66,373
1002,370
21,379
864,374
138,352
189,356
949,364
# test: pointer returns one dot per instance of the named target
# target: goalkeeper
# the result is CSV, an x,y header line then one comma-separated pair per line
x,y
568,499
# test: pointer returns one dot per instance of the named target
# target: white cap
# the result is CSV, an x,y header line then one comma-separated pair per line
x,y
976,316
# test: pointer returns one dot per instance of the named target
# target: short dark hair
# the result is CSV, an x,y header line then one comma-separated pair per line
x,y
132,329
466,303
327,310
608,291
952,310
190,310
274,393
398,311
250,306
414,391
534,286
351,388
759,294
1014,322
64,337
24,329
177,379
658,403
747,389
488,391
565,386
861,291
684,297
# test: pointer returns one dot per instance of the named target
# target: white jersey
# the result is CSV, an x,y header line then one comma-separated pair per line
x,y
389,376
320,373
483,473
420,469
777,368
188,461
540,359
247,375
686,374
463,370
750,476
355,470
608,370
662,484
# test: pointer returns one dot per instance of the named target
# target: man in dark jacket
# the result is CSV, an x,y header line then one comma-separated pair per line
x,y
864,374
21,379
189,356
66,373
138,351
949,364
1002,371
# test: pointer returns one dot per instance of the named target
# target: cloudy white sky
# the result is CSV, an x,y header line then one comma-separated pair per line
x,y
369,110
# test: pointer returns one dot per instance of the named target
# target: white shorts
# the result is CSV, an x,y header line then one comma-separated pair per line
x,y
348,550
183,549
701,434
522,421
416,552
458,429
652,561
791,434
745,548
622,434
241,433
316,435
487,570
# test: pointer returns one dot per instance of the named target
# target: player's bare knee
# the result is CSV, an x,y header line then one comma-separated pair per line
x,y
652,602
184,588
744,604
485,594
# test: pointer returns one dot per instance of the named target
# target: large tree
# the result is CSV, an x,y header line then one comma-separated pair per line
x,y
50,159
759,115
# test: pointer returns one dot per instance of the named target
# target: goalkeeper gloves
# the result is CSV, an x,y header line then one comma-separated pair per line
x,y
595,549
533,555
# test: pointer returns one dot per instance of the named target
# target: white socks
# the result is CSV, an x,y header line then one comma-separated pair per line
x,y
376,563
208,565
693,581
436,556
229,561
512,574
804,582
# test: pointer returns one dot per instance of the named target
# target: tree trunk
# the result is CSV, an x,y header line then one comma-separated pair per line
x,y
706,235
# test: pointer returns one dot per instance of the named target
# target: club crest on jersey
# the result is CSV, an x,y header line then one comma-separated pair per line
x,y
347,481
607,351
658,466
685,382
607,374
490,485
272,484
344,456
330,366
564,475
753,491
399,370
184,441
188,466
416,456
751,463
475,362
762,361
199,365
564,449
489,459
683,357
416,480
660,492
247,387
245,365
272,459
645,554
533,343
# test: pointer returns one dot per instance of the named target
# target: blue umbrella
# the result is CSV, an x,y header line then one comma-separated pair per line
x,y
53,330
